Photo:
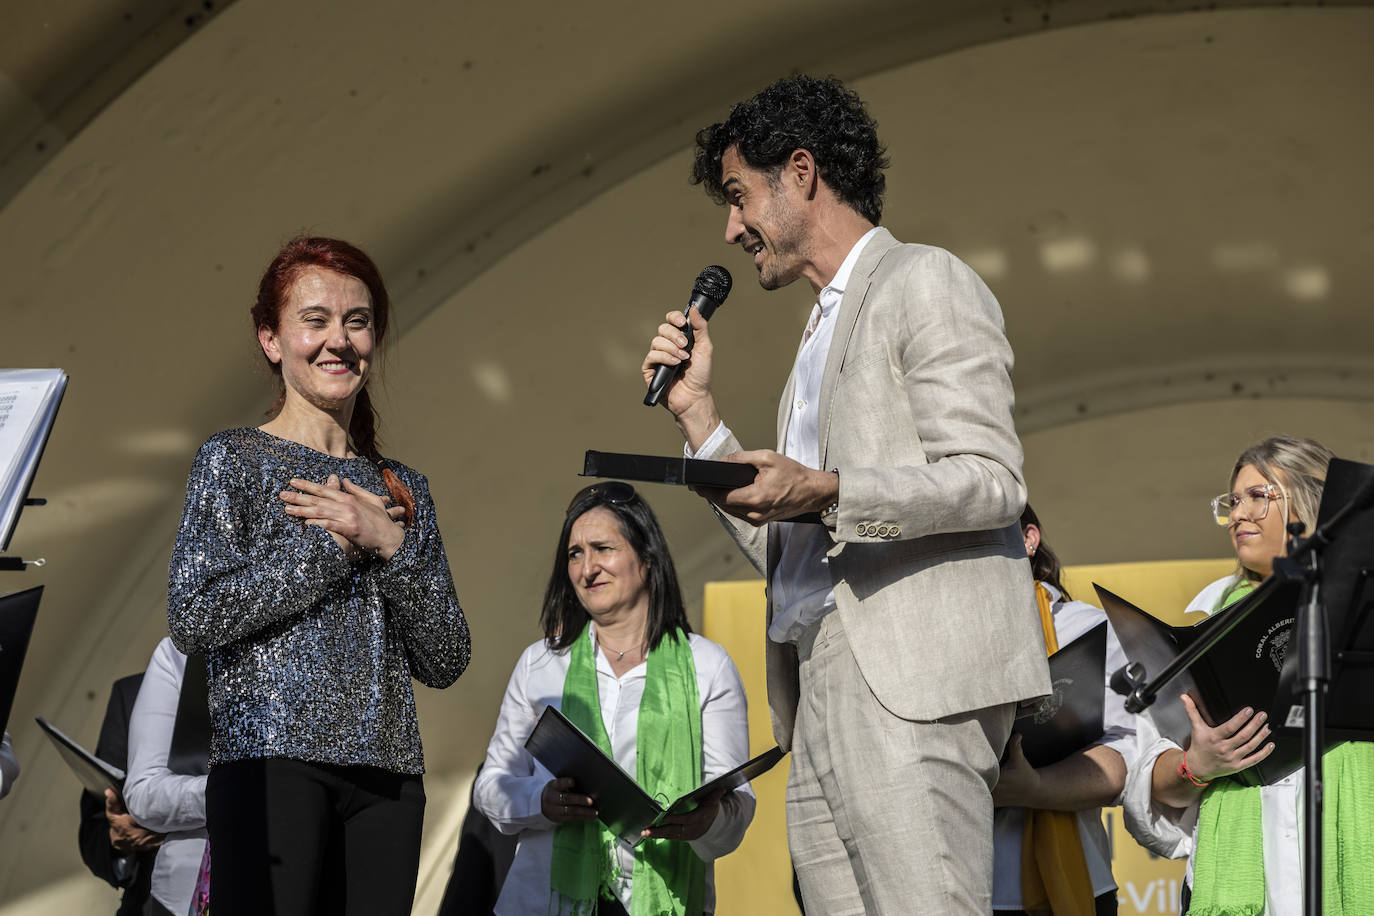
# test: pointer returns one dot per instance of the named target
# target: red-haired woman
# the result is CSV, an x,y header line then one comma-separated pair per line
x,y
309,571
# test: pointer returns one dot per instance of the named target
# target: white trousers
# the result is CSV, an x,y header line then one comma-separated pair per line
x,y
887,816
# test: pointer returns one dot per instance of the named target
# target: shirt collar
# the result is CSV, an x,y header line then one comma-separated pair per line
x,y
1055,595
834,290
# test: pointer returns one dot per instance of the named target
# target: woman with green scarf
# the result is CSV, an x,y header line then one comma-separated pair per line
x,y
1244,842
619,659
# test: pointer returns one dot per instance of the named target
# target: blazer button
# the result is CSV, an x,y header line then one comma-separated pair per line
x,y
895,531
859,529
882,531
871,531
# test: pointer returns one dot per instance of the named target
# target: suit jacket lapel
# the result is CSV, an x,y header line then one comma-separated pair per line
x,y
855,292
784,408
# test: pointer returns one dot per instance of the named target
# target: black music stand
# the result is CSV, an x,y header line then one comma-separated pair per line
x,y
1334,565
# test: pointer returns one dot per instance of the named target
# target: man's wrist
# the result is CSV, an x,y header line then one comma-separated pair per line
x,y
827,501
698,422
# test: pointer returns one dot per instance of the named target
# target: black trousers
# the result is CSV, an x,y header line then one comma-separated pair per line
x,y
292,838
152,908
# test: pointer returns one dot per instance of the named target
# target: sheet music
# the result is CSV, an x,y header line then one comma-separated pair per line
x,y
19,404
28,405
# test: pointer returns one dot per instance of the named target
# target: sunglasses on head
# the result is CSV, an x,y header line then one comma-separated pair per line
x,y
616,492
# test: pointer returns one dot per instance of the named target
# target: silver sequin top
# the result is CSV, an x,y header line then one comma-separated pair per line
x,y
310,655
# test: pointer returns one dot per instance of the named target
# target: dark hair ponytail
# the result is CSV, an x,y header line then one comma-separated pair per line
x,y
1045,566
362,430
275,288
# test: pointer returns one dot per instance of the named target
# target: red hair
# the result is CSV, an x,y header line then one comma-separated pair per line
x,y
275,288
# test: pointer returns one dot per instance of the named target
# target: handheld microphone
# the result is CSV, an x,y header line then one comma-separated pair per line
x,y
712,286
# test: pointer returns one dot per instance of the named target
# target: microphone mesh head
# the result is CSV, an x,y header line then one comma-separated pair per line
x,y
714,281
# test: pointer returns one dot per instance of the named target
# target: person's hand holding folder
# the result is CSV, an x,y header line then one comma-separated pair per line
x,y
688,826
1018,783
127,838
561,803
782,490
1213,752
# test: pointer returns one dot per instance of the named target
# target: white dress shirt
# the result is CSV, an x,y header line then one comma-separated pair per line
x,y
801,588
1172,833
509,787
159,799
1071,620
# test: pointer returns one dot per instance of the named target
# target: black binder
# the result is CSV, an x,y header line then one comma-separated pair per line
x,y
17,614
726,475
1070,719
691,472
189,753
95,774
1243,669
622,805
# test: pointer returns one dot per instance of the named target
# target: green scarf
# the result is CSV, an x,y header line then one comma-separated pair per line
x,y
668,876
1228,867
1228,858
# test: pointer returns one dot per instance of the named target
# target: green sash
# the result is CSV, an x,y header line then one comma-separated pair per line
x,y
668,876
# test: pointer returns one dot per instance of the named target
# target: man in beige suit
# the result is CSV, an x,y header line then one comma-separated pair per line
x,y
902,629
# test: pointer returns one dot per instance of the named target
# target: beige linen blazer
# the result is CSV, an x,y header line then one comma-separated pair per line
x,y
931,579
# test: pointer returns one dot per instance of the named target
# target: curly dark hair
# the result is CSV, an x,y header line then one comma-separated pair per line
x,y
820,116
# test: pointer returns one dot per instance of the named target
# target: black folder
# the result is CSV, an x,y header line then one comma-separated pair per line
x,y
95,774
692,472
17,614
1242,669
1070,719
726,475
621,803
189,753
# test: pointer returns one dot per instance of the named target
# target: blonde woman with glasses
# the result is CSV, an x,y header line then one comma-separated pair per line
x,y
1243,842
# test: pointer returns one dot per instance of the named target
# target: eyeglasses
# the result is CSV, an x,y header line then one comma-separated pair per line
x,y
615,492
1254,500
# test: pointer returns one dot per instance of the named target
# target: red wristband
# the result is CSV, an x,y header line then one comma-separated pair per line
x,y
1188,774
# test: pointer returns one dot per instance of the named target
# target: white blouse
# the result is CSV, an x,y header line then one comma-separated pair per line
x,y
509,787
157,798
1172,832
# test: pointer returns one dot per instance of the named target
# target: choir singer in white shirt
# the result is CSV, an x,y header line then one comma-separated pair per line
x,y
619,659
